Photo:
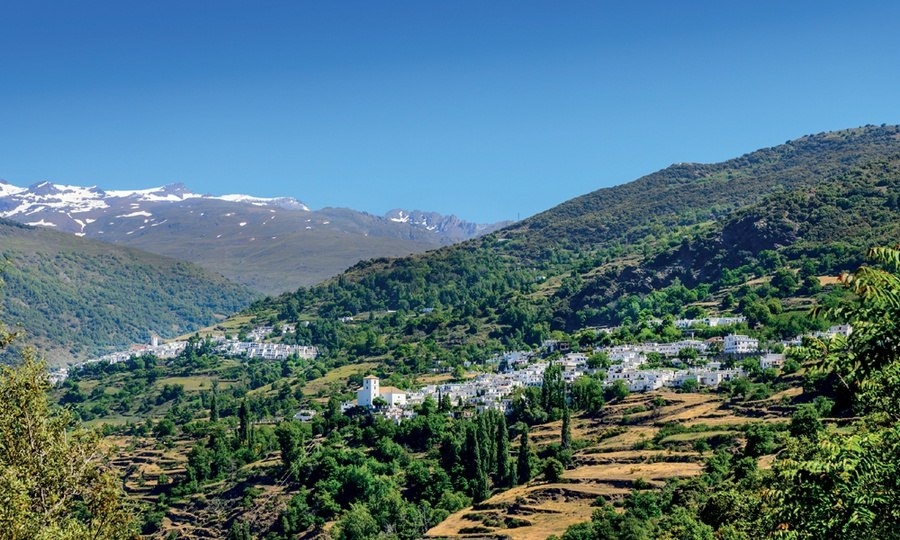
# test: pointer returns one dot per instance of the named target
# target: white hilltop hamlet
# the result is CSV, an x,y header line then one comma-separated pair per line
x,y
255,348
495,390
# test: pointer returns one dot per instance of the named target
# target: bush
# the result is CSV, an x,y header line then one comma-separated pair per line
x,y
553,470
790,366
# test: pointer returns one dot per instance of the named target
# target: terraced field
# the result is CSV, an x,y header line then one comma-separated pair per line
x,y
620,450
617,457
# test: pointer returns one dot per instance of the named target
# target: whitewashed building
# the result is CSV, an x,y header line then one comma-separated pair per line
x,y
740,344
372,390
771,360
365,396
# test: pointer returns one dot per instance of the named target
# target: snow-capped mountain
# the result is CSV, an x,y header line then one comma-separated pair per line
x,y
74,208
272,244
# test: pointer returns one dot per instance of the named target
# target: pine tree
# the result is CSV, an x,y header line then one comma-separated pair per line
x,y
240,530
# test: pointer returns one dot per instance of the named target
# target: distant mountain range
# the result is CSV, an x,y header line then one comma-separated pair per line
x,y
269,244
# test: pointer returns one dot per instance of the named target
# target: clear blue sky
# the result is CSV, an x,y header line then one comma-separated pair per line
x,y
486,109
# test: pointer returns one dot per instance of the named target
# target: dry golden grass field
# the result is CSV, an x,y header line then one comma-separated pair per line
x,y
609,466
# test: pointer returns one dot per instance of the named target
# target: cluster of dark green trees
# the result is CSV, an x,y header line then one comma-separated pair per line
x,y
375,476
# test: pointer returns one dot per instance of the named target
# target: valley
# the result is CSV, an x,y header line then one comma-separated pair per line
x,y
675,361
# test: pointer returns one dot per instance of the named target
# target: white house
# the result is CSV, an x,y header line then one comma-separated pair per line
x,y
771,360
841,329
393,396
305,415
740,344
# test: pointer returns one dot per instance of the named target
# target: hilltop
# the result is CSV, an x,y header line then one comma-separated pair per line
x,y
684,235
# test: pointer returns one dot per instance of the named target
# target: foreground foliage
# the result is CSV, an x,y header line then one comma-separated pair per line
x,y
53,480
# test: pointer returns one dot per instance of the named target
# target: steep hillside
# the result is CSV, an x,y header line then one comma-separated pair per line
x,y
688,193
816,202
76,297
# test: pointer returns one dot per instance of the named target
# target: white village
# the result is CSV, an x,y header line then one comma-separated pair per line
x,y
494,389
627,363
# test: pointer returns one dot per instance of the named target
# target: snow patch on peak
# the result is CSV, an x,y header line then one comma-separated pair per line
x,y
167,193
283,202
46,196
123,193
7,189
401,217
41,223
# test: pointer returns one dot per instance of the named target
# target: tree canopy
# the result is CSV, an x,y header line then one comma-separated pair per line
x,y
54,482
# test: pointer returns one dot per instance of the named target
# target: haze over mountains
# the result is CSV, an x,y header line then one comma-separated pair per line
x,y
269,244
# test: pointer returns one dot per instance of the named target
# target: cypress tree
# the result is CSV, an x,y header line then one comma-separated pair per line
x,y
503,472
486,442
213,408
475,470
480,488
552,389
214,402
523,469
566,435
471,452
244,428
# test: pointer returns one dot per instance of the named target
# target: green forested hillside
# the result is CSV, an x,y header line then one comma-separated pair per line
x,y
810,206
685,194
77,297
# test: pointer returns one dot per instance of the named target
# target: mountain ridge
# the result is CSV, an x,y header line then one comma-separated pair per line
x,y
585,261
251,240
